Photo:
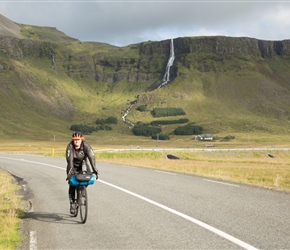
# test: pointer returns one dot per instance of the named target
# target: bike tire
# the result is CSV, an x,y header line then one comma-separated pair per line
x,y
83,204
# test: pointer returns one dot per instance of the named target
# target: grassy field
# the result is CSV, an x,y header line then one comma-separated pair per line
x,y
248,167
10,210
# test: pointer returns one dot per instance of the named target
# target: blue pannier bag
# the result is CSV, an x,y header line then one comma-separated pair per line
x,y
81,180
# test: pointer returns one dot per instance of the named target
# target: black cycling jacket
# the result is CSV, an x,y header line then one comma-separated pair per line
x,y
75,157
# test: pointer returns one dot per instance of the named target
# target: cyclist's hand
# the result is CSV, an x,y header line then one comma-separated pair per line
x,y
70,174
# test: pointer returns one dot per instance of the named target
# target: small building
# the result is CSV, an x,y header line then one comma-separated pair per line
x,y
204,137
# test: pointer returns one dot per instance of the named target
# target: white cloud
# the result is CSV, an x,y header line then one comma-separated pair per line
x,y
126,22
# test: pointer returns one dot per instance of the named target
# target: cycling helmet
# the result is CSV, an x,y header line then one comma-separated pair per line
x,y
77,136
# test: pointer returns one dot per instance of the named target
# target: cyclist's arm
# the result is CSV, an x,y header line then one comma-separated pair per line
x,y
69,159
92,159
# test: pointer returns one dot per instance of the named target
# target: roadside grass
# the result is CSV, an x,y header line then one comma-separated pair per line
x,y
10,211
251,168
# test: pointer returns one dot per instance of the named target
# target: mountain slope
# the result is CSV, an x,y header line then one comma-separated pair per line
x,y
9,28
227,85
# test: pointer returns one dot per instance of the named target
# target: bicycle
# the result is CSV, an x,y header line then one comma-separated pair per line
x,y
81,181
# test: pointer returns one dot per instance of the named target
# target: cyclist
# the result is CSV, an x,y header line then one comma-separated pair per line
x,y
77,152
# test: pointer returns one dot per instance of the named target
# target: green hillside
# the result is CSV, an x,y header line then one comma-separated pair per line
x,y
226,85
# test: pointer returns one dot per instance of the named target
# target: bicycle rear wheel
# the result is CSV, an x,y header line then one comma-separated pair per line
x,y
83,204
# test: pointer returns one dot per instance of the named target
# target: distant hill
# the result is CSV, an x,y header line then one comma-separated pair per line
x,y
9,28
23,31
49,81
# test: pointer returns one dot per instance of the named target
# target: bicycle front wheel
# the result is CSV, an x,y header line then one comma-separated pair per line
x,y
83,204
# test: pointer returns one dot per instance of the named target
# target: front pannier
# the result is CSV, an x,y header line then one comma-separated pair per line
x,y
81,180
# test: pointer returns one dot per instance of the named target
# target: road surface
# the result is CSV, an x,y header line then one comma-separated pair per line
x,y
139,208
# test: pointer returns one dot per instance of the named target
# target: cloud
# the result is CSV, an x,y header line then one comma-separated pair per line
x,y
125,22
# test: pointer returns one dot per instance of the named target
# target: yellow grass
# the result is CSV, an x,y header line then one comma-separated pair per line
x,y
9,210
252,168
248,167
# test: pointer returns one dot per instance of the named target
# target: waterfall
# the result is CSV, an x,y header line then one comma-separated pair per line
x,y
165,80
166,76
52,61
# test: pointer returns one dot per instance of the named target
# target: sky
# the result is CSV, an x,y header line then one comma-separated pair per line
x,y
124,22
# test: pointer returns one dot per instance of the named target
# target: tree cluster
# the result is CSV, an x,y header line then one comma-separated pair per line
x,y
159,112
188,129
86,130
167,122
102,124
145,130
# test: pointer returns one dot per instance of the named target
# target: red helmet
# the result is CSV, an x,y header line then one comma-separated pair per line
x,y
77,136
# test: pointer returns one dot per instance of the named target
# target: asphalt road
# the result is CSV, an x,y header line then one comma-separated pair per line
x,y
139,208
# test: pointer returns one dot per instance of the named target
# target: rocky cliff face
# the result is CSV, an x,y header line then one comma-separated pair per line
x,y
20,48
225,46
148,60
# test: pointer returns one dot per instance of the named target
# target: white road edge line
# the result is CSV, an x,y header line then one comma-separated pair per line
x,y
32,240
195,221
164,172
39,163
224,183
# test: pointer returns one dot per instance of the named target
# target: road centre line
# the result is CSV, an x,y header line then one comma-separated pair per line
x,y
195,221
32,240
223,183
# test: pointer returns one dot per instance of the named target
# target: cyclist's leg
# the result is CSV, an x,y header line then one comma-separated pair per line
x,y
71,194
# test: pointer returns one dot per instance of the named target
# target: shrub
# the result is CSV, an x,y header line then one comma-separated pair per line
x,y
160,137
145,130
142,108
82,128
188,130
109,120
159,112
166,122
100,121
